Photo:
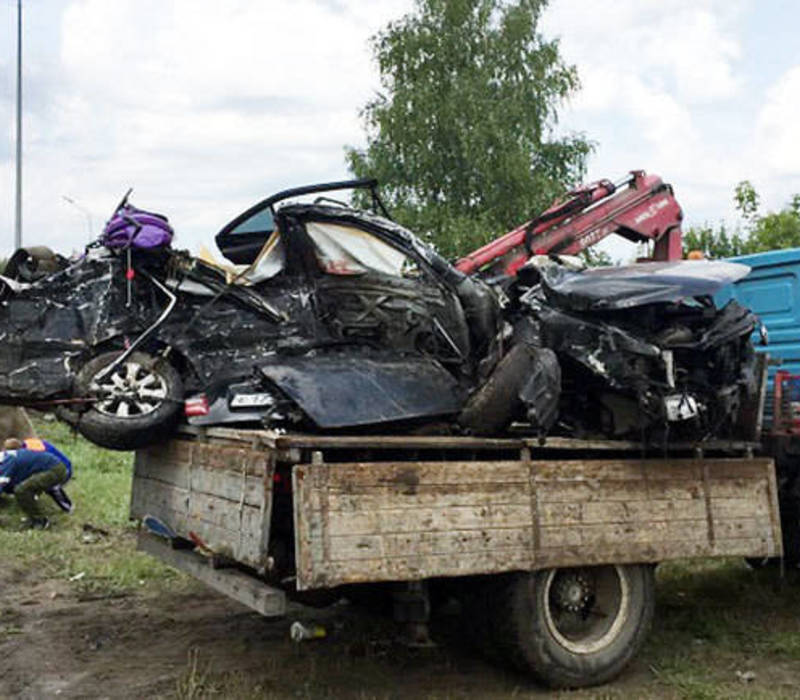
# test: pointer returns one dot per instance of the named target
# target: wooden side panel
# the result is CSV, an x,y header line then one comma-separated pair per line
x,y
222,494
404,521
235,584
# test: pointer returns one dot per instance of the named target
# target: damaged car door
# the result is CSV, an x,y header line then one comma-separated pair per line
x,y
391,341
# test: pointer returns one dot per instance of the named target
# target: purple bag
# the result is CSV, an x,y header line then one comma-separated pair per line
x,y
135,228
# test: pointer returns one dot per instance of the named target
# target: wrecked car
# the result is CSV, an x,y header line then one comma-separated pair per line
x,y
329,318
642,351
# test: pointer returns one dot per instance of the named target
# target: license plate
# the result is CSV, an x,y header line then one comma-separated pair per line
x,y
251,400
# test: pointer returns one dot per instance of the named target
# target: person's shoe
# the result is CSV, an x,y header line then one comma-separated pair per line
x,y
58,494
39,524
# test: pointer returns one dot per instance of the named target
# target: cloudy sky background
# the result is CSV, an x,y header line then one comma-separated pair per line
x,y
206,106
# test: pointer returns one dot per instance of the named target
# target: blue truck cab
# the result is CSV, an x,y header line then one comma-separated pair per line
x,y
772,292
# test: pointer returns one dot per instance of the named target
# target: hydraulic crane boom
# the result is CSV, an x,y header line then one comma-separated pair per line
x,y
645,210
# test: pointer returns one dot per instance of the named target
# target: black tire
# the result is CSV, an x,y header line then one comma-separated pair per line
x,y
153,395
571,628
492,407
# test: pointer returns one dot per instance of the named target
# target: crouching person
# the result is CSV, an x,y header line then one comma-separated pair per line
x,y
57,493
27,474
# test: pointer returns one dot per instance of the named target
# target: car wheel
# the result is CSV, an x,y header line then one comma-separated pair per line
x,y
577,627
137,404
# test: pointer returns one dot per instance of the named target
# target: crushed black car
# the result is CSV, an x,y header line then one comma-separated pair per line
x,y
643,351
330,318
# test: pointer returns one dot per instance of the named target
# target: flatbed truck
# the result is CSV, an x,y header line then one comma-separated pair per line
x,y
550,545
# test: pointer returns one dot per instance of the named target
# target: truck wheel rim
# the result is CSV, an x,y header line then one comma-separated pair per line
x,y
585,609
130,391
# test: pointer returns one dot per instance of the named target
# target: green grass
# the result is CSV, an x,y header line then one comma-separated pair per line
x,y
715,618
100,489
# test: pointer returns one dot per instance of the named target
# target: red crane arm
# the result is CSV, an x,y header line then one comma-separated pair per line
x,y
645,210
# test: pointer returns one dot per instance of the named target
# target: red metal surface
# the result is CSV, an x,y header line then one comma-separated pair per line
x,y
786,403
645,210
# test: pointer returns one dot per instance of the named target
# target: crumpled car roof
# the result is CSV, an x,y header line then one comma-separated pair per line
x,y
613,288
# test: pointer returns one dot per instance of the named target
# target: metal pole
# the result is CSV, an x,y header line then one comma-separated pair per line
x,y
18,211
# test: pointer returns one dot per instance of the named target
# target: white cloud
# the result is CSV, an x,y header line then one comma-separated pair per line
x,y
205,106
202,106
663,90
687,47
777,126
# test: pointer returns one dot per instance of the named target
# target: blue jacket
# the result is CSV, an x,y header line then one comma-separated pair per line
x,y
18,465
38,445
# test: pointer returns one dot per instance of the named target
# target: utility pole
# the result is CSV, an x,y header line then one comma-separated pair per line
x,y
18,211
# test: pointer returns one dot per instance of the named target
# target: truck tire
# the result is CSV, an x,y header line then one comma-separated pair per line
x,y
137,405
571,628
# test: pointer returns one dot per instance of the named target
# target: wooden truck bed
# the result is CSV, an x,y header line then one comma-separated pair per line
x,y
377,508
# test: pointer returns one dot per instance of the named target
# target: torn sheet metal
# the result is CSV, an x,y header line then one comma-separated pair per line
x,y
218,326
632,365
340,392
628,286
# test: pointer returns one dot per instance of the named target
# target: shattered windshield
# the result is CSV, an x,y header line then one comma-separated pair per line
x,y
346,250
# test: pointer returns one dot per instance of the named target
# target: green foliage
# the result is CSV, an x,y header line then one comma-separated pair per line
x,y
747,200
596,258
772,231
460,136
776,230
714,243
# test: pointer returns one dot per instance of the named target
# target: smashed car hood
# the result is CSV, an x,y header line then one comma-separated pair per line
x,y
611,288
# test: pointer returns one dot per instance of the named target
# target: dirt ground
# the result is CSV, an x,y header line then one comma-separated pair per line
x,y
196,643
192,643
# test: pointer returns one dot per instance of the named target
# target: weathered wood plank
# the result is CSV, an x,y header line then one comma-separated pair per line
x,y
424,519
248,590
595,490
245,548
738,487
230,458
200,506
609,533
177,451
341,498
641,511
724,508
394,442
221,493
389,521
563,443
413,567
654,552
408,476
456,542
214,482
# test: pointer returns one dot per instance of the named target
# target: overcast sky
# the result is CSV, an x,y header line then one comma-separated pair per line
x,y
205,106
